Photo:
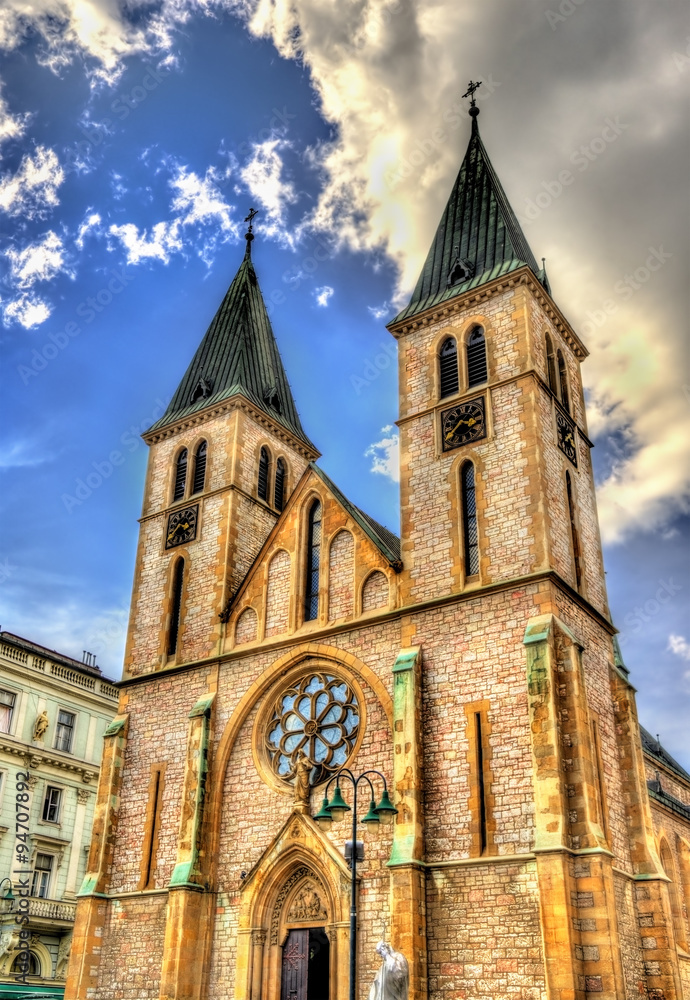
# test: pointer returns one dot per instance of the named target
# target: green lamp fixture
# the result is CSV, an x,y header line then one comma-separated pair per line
x,y
385,810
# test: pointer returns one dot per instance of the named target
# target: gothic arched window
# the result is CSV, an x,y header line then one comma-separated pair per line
x,y
279,487
563,381
180,475
551,365
448,367
577,557
470,533
176,606
311,593
476,357
264,466
199,468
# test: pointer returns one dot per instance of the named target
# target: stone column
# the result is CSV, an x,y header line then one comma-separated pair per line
x,y
77,837
258,942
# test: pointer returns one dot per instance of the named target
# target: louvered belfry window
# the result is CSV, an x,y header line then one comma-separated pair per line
x,y
448,367
180,475
469,520
563,380
176,607
199,468
551,364
476,357
279,490
311,597
264,463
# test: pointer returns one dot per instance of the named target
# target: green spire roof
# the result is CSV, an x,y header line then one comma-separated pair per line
x,y
478,239
238,357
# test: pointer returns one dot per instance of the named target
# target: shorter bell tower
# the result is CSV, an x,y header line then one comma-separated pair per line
x,y
223,460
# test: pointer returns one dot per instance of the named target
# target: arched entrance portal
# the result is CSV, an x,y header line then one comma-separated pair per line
x,y
306,965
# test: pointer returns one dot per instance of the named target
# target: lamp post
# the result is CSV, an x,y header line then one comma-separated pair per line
x,y
336,810
7,901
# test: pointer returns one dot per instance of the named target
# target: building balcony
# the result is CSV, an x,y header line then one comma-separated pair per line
x,y
51,910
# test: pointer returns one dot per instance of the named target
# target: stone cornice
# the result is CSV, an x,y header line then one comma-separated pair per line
x,y
226,406
34,756
206,495
475,296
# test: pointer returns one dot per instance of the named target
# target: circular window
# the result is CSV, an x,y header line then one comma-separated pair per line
x,y
318,716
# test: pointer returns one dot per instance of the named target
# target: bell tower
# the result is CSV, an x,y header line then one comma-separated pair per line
x,y
223,460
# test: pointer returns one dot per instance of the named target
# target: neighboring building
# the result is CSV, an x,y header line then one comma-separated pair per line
x,y
53,713
277,632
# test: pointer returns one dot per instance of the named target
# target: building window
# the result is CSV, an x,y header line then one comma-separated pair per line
x,y
43,869
7,701
180,475
176,607
476,357
199,469
577,559
563,382
264,466
152,827
311,599
448,367
469,520
279,490
51,804
551,365
64,734
22,967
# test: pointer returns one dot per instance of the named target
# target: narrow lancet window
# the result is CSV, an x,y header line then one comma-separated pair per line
x,y
264,464
476,357
311,597
577,558
180,475
563,380
481,784
279,489
176,607
469,520
551,365
199,469
448,367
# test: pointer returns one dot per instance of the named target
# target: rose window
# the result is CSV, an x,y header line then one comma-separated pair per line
x,y
318,716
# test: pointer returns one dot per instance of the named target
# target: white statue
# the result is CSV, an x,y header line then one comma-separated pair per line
x,y
393,978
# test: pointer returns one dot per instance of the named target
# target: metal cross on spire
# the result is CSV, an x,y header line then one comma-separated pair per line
x,y
470,92
249,235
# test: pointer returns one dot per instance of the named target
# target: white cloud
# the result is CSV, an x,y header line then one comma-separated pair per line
x,y
37,262
91,224
32,190
198,200
29,310
323,294
163,241
380,312
385,454
263,175
679,645
11,126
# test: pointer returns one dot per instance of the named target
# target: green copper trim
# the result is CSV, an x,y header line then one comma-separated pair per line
x,y
203,706
406,660
116,726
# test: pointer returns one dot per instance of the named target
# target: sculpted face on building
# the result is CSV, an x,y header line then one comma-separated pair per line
x,y
278,633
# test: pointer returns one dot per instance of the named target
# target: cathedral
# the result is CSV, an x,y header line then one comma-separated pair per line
x,y
294,673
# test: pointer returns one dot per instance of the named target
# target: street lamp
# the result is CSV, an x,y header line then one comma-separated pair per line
x,y
7,901
336,810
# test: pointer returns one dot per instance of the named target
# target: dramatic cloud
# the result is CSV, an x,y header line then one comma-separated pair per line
x,y
163,241
263,176
323,294
11,126
37,262
29,310
679,645
91,224
32,190
385,454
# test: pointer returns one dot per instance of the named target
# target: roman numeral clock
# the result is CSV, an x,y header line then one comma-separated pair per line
x,y
463,423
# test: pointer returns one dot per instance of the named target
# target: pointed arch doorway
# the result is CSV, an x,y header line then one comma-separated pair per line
x,y
306,965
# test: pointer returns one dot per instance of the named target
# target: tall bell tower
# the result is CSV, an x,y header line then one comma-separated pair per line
x,y
206,511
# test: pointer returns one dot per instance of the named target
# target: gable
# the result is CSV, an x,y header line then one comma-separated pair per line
x,y
357,562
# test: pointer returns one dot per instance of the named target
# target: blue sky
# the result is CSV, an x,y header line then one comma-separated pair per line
x,y
133,142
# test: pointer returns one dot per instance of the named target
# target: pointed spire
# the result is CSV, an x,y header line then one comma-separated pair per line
x,y
238,357
479,237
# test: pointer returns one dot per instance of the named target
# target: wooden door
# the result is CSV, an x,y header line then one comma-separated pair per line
x,y
295,966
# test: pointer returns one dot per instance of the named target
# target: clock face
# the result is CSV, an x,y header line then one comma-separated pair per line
x,y
181,526
463,423
565,431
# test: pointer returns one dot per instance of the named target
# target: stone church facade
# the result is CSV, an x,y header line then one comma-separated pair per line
x,y
472,661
